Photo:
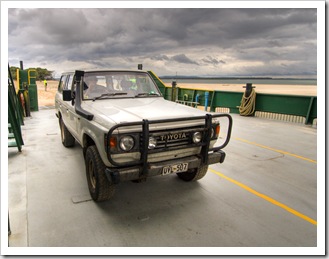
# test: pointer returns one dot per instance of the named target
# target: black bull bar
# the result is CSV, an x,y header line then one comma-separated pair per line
x,y
144,151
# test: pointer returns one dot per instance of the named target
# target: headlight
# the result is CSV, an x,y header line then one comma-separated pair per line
x,y
127,143
215,131
152,143
197,136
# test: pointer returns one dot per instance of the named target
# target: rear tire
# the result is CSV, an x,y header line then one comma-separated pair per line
x,y
67,138
194,174
99,187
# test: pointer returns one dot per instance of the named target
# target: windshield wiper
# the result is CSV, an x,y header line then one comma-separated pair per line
x,y
108,95
146,94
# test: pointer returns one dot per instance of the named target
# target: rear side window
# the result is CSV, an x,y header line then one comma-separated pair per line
x,y
62,82
69,83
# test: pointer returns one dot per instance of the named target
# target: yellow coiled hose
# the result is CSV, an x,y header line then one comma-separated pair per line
x,y
247,106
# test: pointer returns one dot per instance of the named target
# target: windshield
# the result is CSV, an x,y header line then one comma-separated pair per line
x,y
115,84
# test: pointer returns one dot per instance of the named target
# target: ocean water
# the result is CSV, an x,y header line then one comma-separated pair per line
x,y
242,81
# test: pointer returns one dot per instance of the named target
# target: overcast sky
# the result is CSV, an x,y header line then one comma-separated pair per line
x,y
211,41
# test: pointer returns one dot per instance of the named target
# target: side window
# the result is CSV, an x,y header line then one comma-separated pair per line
x,y
69,83
74,85
62,83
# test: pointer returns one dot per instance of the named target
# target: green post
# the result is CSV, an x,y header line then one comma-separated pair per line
x,y
33,89
308,119
27,81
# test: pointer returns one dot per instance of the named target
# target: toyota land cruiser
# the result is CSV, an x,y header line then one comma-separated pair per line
x,y
128,131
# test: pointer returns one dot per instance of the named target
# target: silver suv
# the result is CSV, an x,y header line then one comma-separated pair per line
x,y
128,131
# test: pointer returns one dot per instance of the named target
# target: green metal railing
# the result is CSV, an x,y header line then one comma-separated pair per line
x,y
296,105
15,116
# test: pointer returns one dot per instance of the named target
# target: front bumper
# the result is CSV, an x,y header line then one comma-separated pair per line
x,y
116,175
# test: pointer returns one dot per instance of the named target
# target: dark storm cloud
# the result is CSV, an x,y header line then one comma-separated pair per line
x,y
160,57
203,39
212,60
182,58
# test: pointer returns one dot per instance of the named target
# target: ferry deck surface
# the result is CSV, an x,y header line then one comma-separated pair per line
x,y
264,195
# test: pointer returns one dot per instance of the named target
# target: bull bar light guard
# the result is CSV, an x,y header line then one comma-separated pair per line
x,y
145,136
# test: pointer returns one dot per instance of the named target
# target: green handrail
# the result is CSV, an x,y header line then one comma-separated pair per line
x,y
15,118
305,106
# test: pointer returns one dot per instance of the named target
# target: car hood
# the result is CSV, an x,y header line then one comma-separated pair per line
x,y
137,109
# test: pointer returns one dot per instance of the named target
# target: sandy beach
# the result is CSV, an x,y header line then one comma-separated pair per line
x,y
46,98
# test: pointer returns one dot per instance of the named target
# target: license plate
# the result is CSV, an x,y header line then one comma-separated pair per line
x,y
177,168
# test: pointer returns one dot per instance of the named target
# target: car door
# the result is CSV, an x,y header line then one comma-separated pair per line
x,y
60,104
66,106
72,117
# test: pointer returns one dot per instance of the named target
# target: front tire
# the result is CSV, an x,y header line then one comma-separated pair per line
x,y
194,175
99,187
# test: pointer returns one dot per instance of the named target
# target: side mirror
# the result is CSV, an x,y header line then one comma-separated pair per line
x,y
67,95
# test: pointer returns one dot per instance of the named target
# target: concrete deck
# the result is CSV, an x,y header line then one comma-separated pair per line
x,y
263,195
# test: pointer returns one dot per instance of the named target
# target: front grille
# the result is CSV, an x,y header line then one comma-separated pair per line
x,y
174,139
172,143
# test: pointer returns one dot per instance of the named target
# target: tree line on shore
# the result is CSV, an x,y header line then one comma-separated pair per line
x,y
41,73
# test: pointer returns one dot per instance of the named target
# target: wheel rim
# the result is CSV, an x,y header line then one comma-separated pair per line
x,y
91,172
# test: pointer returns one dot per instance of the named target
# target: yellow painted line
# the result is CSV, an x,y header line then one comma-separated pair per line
x,y
265,197
276,150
